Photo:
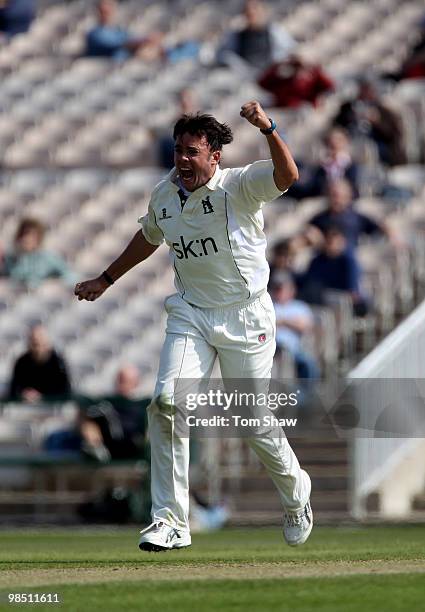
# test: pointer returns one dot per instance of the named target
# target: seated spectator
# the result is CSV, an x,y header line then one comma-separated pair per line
x,y
114,427
258,44
336,163
341,213
109,40
294,82
335,267
28,263
369,116
16,16
294,319
41,372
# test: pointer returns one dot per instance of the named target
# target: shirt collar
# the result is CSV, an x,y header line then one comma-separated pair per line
x,y
212,183
215,179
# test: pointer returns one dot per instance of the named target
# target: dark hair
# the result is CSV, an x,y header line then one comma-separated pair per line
x,y
217,134
28,224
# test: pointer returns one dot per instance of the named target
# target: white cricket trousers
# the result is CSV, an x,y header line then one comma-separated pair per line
x,y
194,338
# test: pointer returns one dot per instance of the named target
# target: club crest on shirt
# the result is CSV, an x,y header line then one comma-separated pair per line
x,y
164,214
207,206
262,338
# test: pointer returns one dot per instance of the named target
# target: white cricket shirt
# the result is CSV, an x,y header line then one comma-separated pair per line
x,y
216,239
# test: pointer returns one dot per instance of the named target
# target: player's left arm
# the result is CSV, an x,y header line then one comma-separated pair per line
x,y
285,169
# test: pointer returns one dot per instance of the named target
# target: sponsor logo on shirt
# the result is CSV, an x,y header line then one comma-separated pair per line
x,y
195,248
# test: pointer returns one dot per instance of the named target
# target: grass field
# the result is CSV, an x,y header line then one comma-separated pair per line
x,y
339,569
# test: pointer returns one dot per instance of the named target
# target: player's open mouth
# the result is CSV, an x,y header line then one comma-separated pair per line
x,y
186,174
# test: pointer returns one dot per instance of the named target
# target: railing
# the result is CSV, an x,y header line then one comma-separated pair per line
x,y
400,356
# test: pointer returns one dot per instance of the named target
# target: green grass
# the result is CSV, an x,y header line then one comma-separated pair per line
x,y
350,569
396,593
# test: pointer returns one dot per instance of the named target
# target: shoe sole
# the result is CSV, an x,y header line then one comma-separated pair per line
x,y
149,547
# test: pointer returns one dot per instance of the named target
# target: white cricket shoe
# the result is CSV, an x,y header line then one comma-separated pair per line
x,y
297,526
159,536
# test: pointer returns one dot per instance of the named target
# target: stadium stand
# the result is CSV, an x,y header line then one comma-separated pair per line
x,y
77,152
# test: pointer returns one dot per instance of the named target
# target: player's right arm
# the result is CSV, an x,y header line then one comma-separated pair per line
x,y
137,250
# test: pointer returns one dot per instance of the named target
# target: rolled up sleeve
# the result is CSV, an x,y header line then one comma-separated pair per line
x,y
258,184
150,229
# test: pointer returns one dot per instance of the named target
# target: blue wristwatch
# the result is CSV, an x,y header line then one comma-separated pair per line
x,y
271,129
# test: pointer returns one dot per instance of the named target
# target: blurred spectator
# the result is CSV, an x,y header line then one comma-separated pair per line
x,y
109,40
294,82
41,372
16,16
284,252
258,44
335,267
282,260
341,213
294,319
186,102
28,263
114,427
336,163
367,115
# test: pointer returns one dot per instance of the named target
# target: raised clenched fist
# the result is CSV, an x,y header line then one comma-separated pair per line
x,y
91,290
255,114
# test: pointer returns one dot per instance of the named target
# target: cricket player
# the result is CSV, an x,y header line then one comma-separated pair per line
x,y
211,219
